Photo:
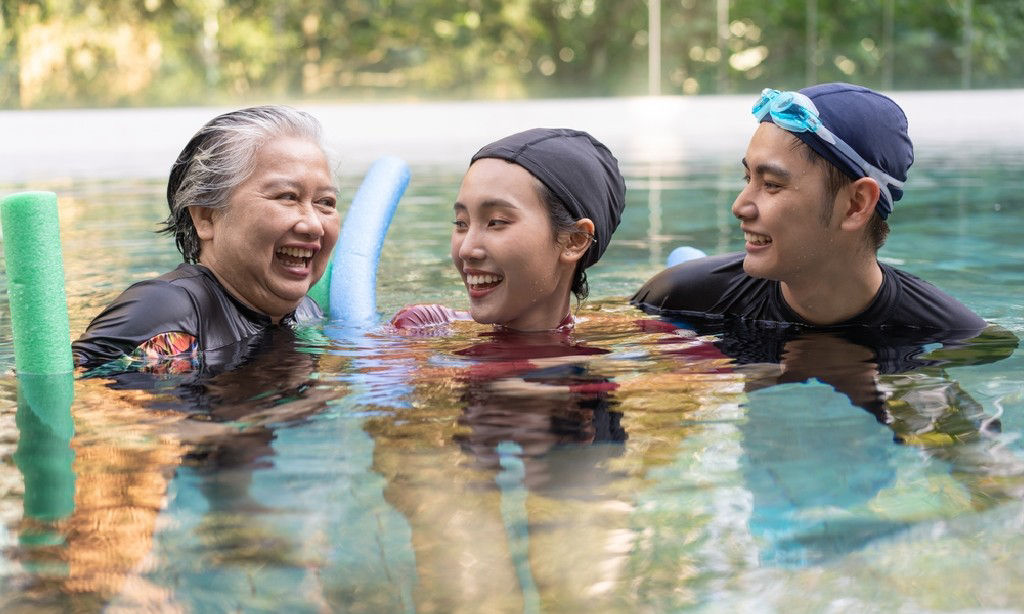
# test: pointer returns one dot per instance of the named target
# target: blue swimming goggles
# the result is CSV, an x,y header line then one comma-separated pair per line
x,y
795,112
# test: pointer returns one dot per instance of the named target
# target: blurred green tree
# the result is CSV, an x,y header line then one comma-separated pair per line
x,y
59,53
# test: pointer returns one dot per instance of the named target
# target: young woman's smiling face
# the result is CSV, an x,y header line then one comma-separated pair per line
x,y
515,269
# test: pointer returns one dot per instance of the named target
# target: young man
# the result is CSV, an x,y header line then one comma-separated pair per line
x,y
823,170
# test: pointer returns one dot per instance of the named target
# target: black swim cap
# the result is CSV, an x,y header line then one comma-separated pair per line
x,y
869,122
578,169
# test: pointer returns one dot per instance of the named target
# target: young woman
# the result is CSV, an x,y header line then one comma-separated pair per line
x,y
534,211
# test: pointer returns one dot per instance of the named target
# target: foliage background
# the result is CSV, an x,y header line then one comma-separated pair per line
x,y
77,53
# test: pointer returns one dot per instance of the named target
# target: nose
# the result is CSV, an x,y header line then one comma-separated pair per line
x,y
310,222
469,245
744,207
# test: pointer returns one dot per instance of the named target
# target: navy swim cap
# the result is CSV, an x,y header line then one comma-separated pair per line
x,y
869,122
578,169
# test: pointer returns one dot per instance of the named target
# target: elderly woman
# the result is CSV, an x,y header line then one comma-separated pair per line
x,y
253,213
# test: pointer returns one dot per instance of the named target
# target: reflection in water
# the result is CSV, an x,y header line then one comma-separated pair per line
x,y
806,511
81,547
531,391
44,454
93,546
767,471
513,471
631,464
526,438
790,474
676,516
44,457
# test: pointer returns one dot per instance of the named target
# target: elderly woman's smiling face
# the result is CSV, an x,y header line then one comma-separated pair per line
x,y
275,237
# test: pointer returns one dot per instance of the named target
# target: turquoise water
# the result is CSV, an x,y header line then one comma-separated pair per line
x,y
629,468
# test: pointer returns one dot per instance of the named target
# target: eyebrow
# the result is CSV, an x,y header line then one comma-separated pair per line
x,y
295,185
490,203
769,168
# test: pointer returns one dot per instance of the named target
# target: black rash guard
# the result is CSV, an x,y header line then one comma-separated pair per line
x,y
185,312
716,287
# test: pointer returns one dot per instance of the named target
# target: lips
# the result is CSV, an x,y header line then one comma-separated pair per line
x,y
756,239
481,283
294,258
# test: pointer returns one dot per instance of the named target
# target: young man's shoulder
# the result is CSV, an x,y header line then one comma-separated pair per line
x,y
703,286
718,286
917,303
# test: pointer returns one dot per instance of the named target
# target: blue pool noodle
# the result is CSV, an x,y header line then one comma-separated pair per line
x,y
681,254
353,285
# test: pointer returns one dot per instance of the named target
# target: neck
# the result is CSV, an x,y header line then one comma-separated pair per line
x,y
565,324
833,297
549,311
237,296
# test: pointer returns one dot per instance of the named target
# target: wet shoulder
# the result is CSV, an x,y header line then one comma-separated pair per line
x,y
918,303
158,305
143,311
699,286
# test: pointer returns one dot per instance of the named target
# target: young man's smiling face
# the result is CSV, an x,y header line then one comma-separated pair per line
x,y
782,210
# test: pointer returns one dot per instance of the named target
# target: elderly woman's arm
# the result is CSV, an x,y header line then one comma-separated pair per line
x,y
153,318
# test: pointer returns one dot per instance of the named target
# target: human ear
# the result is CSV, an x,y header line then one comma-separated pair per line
x,y
202,219
860,199
577,241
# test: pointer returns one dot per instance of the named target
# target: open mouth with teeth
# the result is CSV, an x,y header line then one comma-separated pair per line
x,y
483,282
294,257
755,239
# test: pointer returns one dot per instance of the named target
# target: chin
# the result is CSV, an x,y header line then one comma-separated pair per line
x,y
482,317
293,296
760,272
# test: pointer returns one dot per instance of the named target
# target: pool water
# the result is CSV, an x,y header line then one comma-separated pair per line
x,y
629,466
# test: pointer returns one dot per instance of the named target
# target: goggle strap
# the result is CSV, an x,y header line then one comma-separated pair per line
x,y
826,135
884,179
765,105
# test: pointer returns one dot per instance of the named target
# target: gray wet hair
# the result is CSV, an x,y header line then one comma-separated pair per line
x,y
219,158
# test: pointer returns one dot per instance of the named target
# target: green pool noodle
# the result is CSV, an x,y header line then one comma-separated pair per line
x,y
35,283
321,290
44,455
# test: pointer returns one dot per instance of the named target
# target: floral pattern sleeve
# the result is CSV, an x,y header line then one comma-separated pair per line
x,y
173,352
